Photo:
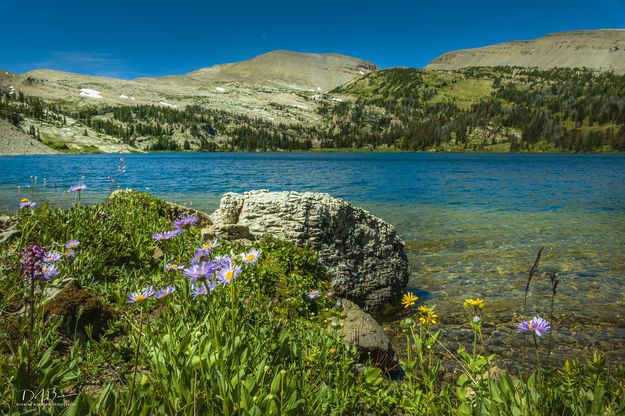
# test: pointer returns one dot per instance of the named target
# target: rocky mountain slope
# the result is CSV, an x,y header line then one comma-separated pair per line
x,y
14,141
599,49
278,87
316,71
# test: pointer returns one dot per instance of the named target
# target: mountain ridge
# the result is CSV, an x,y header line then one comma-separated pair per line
x,y
602,49
323,71
285,100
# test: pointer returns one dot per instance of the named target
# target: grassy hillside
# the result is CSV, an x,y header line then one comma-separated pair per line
x,y
481,108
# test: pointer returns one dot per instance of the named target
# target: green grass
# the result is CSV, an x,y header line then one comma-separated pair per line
x,y
257,346
464,92
62,146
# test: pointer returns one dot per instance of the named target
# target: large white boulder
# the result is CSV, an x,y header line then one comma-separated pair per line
x,y
362,253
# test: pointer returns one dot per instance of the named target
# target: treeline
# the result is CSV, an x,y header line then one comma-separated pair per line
x,y
521,109
569,109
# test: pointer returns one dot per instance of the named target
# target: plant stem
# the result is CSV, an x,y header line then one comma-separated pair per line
x,y
531,274
553,295
31,301
536,349
134,374
474,342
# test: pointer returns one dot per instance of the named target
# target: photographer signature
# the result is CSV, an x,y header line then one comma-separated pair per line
x,y
43,395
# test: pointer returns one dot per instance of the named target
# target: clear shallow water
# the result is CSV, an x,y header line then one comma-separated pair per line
x,y
472,222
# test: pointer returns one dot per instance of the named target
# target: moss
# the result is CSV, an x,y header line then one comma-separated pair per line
x,y
79,309
11,332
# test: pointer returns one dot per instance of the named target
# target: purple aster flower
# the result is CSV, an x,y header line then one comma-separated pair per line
x,y
228,273
185,222
537,325
70,255
203,289
27,204
223,261
48,271
138,297
173,266
52,257
71,244
203,270
196,260
205,249
77,188
330,294
251,256
163,293
313,294
167,235
200,290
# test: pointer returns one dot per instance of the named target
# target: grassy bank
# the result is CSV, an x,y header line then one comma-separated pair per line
x,y
254,332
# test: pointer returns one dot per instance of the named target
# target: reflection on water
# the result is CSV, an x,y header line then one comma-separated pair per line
x,y
472,222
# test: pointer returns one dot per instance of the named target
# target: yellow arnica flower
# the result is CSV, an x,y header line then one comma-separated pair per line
x,y
24,200
427,316
408,300
476,303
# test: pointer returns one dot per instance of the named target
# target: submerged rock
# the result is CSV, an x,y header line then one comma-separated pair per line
x,y
362,253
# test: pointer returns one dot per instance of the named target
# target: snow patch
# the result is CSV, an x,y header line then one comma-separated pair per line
x,y
88,92
6,73
361,72
167,104
132,98
220,89
318,88
123,96
338,100
303,107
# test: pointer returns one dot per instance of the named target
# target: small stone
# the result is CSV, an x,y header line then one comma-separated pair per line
x,y
361,330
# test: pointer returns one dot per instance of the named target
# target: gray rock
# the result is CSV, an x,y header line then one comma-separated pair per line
x,y
363,254
8,228
358,328
229,209
227,232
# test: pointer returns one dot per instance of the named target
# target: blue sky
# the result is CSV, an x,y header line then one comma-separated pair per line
x,y
130,39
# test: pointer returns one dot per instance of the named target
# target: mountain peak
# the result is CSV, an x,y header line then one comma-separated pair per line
x,y
324,71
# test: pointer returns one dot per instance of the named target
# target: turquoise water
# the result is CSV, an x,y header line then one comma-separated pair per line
x,y
472,223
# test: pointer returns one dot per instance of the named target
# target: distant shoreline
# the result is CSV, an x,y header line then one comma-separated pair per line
x,y
330,150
